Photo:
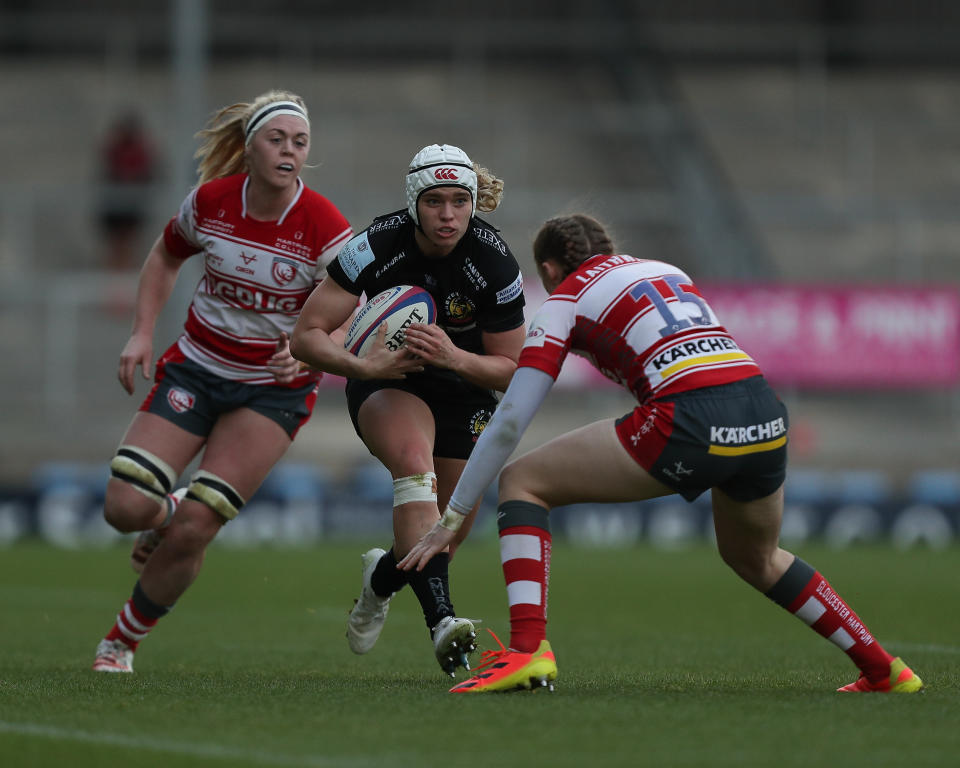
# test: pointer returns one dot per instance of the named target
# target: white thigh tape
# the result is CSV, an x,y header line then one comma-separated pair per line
x,y
149,474
217,494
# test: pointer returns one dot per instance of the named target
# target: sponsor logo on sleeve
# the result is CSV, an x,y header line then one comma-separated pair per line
x,y
355,255
536,337
511,291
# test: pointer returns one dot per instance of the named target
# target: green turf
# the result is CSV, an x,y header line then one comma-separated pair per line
x,y
666,659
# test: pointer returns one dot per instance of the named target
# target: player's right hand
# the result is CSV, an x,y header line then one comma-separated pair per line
x,y
382,362
137,351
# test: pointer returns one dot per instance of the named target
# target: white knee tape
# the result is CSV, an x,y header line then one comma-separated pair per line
x,y
422,487
149,474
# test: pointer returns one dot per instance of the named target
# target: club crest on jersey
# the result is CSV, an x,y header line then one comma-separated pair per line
x,y
283,270
458,308
536,336
179,400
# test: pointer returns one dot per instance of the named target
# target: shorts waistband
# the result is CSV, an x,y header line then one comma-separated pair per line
x,y
732,389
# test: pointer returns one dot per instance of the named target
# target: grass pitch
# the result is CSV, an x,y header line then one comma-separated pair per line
x,y
665,658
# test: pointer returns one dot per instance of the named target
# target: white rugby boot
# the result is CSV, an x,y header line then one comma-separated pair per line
x,y
113,656
453,639
370,610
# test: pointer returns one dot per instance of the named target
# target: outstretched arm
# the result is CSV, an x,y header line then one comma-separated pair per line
x,y
526,392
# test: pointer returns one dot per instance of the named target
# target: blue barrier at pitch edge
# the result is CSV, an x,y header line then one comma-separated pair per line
x,y
299,504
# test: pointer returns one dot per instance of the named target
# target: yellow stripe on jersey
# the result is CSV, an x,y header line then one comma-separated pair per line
x,y
705,360
740,450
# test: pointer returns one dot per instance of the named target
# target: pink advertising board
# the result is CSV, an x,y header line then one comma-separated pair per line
x,y
845,336
821,337
828,337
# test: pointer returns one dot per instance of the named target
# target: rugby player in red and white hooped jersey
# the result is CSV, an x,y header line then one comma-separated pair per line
x,y
228,386
706,420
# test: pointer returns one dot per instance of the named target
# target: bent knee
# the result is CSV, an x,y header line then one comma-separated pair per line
x,y
513,481
755,568
127,509
413,459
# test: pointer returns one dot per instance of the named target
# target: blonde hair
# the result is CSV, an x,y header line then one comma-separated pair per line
x,y
223,140
489,189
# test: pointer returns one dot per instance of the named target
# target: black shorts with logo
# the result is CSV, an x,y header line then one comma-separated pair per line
x,y
732,437
193,398
460,410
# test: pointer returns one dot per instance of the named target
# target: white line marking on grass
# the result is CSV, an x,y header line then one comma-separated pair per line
x,y
926,647
182,748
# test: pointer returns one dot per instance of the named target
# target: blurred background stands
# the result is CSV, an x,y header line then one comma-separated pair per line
x,y
791,141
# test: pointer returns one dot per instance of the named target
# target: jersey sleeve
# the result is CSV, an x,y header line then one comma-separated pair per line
x,y
504,309
179,236
548,340
334,234
352,259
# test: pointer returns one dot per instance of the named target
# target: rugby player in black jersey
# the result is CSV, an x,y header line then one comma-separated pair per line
x,y
420,409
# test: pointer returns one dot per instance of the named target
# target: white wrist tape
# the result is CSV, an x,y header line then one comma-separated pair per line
x,y
451,519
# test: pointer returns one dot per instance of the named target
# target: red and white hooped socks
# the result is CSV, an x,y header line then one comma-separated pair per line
x,y
525,546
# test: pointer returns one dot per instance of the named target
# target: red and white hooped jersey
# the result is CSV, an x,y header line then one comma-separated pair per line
x,y
256,277
642,324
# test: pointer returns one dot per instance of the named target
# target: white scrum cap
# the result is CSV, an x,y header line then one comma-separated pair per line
x,y
439,165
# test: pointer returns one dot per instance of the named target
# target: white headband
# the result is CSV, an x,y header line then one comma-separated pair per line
x,y
270,111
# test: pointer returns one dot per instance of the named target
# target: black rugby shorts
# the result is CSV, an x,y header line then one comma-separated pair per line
x,y
460,410
193,398
732,437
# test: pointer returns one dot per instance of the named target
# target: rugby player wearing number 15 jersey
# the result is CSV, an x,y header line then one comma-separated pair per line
x,y
706,420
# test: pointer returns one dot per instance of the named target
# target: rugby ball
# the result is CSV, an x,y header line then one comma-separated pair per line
x,y
397,307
